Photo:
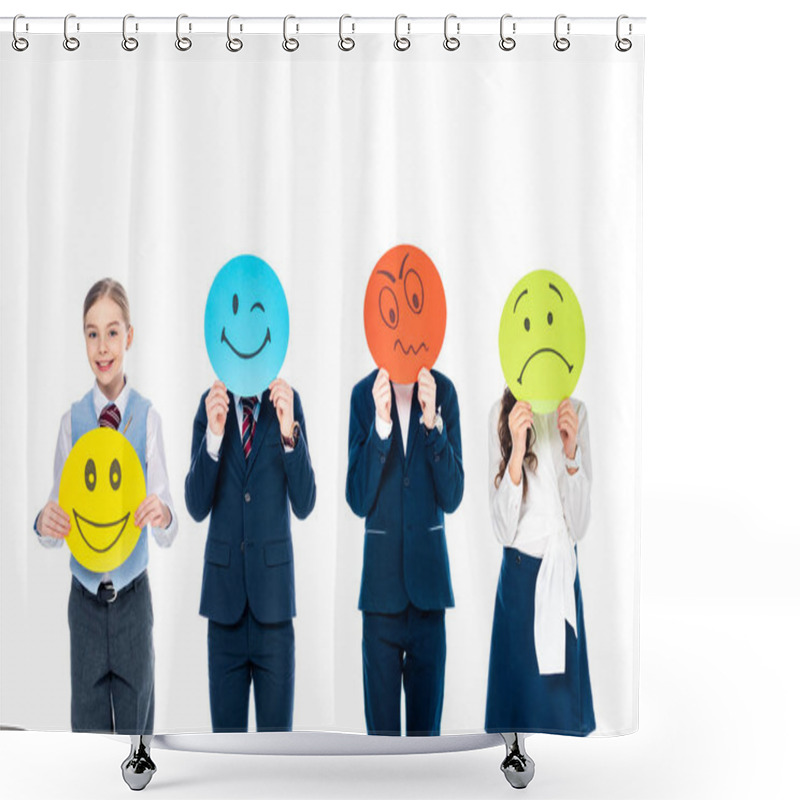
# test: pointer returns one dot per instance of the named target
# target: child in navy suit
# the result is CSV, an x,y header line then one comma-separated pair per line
x,y
404,473
250,465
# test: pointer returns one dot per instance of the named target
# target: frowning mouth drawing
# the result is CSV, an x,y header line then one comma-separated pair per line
x,y
539,352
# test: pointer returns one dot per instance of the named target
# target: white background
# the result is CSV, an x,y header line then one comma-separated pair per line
x,y
720,538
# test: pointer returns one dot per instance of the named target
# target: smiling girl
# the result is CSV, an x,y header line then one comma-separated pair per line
x,y
110,614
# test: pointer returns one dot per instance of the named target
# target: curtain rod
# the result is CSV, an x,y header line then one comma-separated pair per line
x,y
326,25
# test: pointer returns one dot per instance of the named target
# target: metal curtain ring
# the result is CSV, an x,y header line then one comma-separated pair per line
x,y
451,42
345,42
623,45
561,43
234,45
70,42
506,42
18,42
401,43
183,43
289,44
128,42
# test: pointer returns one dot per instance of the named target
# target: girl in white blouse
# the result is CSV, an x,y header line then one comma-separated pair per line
x,y
540,479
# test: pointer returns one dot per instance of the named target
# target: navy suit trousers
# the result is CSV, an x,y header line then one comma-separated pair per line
x,y
406,649
251,651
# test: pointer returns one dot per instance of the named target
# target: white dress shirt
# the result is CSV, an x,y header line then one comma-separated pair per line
x,y
403,393
156,467
546,524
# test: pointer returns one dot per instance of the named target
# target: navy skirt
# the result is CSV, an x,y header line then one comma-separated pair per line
x,y
519,699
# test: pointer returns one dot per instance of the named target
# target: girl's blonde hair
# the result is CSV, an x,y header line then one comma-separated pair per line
x,y
108,287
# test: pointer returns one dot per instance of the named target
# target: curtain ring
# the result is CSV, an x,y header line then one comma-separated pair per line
x,y
345,42
18,42
451,42
128,42
561,43
70,42
183,43
401,43
623,45
289,44
506,42
234,45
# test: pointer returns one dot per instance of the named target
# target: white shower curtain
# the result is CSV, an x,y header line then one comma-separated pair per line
x,y
156,167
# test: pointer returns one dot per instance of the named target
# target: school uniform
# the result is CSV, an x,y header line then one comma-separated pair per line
x,y
110,615
248,592
403,490
538,665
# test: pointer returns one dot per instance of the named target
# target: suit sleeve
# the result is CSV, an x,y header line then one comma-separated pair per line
x,y
201,482
299,472
444,455
366,456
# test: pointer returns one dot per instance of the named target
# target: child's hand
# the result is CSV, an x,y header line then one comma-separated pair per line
x,y
426,394
217,408
568,427
520,421
53,521
382,395
153,512
282,397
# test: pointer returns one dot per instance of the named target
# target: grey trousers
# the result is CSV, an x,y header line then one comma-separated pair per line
x,y
112,660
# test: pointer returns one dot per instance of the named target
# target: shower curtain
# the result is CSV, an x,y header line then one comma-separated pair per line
x,y
156,166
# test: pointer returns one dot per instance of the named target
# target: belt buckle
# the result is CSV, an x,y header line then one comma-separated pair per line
x,y
104,588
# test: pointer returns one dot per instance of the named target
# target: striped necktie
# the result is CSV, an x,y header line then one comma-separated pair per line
x,y
248,423
110,417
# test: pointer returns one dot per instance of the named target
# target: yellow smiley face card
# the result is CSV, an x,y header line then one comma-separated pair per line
x,y
102,485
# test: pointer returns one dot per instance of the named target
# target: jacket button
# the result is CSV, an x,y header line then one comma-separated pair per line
x,y
247,497
242,547
406,482
383,459
519,560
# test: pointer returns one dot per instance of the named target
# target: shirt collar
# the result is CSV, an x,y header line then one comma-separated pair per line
x,y
101,401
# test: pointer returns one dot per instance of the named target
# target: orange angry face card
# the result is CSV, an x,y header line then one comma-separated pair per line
x,y
405,313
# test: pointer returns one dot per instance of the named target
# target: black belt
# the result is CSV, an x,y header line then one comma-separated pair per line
x,y
107,593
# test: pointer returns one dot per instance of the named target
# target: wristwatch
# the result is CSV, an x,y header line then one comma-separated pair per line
x,y
291,441
574,463
438,422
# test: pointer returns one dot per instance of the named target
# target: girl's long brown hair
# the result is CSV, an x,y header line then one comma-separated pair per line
x,y
503,431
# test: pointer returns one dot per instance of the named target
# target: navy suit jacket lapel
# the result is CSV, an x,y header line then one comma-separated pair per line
x,y
267,419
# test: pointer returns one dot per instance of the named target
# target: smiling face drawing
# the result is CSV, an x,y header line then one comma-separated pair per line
x,y
405,313
102,485
246,325
542,340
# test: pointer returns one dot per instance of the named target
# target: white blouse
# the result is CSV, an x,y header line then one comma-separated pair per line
x,y
546,524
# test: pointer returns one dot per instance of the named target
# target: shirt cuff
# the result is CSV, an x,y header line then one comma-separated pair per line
x,y
213,443
382,428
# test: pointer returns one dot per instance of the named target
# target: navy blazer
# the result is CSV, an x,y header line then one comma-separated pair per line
x,y
248,555
404,498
